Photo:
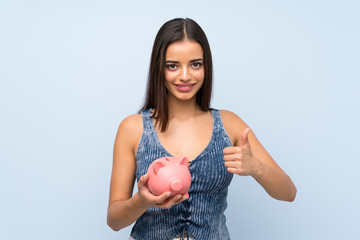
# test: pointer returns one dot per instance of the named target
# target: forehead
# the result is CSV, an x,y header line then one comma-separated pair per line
x,y
184,50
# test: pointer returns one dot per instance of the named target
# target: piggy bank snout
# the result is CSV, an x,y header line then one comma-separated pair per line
x,y
176,185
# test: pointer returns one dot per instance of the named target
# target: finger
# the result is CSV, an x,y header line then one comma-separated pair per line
x,y
173,201
231,170
161,198
231,150
233,157
245,138
183,198
232,163
235,166
143,179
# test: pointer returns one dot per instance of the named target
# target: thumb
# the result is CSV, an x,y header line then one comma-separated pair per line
x,y
245,138
143,179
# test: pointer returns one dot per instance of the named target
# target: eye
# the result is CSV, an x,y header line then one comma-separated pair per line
x,y
171,66
197,65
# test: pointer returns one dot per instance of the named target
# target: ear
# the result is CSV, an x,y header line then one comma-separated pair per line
x,y
157,165
184,161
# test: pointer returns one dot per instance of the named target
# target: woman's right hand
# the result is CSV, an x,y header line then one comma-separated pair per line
x,y
162,201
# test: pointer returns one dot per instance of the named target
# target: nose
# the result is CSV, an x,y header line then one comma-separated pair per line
x,y
185,74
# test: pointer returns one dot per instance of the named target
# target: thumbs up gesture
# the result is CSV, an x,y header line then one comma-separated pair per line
x,y
239,159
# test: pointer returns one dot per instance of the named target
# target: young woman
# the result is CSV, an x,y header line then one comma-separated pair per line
x,y
176,120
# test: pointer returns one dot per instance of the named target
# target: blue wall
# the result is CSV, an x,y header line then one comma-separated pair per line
x,y
70,71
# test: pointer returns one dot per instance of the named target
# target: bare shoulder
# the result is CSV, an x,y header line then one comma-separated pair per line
x,y
233,125
230,117
132,122
131,129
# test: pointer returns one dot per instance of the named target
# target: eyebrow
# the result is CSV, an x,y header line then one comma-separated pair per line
x,y
194,60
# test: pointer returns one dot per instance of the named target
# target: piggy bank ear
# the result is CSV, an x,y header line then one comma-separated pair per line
x,y
184,161
157,165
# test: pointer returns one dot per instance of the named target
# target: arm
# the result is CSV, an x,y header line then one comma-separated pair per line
x,y
249,158
124,209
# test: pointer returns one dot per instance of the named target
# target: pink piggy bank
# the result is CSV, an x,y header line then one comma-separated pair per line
x,y
169,174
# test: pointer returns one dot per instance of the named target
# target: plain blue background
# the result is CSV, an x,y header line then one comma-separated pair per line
x,y
70,71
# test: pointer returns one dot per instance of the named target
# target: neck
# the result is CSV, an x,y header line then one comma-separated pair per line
x,y
183,109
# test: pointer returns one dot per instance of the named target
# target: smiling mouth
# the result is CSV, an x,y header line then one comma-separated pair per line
x,y
187,86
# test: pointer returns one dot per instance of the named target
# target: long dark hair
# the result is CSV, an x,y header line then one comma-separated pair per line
x,y
175,30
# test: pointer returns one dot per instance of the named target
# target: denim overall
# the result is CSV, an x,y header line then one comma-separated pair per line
x,y
201,217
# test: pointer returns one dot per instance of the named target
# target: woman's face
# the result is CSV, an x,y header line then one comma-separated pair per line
x,y
184,70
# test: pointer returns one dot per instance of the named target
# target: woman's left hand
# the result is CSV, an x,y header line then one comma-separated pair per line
x,y
240,160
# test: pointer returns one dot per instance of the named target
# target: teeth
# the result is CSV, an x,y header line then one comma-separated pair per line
x,y
185,87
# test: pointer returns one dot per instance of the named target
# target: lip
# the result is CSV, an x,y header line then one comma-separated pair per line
x,y
181,87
